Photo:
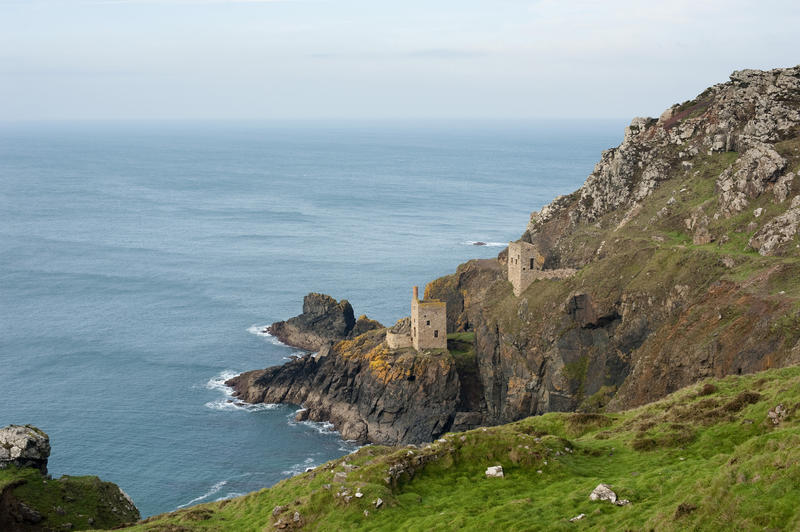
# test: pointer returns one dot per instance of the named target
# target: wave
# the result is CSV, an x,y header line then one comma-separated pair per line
x,y
228,401
297,469
261,330
485,244
214,489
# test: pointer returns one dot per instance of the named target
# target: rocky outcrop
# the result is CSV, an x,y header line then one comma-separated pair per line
x,y
323,322
24,446
778,231
749,114
369,392
463,289
32,501
748,178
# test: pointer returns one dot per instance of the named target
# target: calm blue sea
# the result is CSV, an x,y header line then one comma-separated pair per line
x,y
138,260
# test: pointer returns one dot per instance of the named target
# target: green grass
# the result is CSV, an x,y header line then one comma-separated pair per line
x,y
68,499
462,347
707,446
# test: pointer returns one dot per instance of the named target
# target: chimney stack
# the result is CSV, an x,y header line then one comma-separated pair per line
x,y
416,293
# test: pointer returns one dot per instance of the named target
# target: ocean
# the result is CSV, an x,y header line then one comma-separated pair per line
x,y
139,261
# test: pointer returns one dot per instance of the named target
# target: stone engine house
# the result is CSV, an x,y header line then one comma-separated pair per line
x,y
428,323
525,264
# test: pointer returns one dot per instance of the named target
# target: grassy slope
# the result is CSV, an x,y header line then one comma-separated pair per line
x,y
79,498
711,448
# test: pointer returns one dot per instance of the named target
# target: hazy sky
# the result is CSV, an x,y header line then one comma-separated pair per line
x,y
372,59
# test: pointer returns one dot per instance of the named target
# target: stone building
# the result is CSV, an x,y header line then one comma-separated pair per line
x,y
524,265
399,335
428,323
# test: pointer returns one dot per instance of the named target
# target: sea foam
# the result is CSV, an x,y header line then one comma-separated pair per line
x,y
228,401
481,243
261,330
214,489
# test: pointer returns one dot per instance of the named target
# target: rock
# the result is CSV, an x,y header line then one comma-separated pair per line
x,y
577,518
603,492
323,321
378,502
783,187
777,414
757,212
777,232
759,167
363,325
28,514
340,477
278,510
479,243
363,388
24,446
301,415
359,495
494,472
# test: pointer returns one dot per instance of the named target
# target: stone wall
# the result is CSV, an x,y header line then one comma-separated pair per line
x,y
398,340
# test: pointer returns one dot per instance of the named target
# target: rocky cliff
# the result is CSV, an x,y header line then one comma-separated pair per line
x,y
369,392
684,242
323,322
32,501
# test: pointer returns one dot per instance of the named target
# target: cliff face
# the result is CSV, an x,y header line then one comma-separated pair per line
x,y
685,237
370,393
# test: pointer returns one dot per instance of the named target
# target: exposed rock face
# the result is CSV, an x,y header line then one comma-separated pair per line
x,y
748,114
369,393
759,167
778,231
323,322
459,291
24,446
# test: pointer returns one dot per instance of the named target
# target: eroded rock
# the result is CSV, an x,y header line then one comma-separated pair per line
x,y
24,446
324,321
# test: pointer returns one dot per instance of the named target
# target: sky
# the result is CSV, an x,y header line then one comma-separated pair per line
x,y
375,60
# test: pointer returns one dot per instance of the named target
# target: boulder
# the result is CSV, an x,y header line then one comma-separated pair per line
x,y
777,232
603,492
494,471
777,414
758,168
24,446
